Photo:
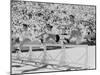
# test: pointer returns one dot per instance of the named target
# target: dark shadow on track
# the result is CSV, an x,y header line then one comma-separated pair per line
x,y
44,66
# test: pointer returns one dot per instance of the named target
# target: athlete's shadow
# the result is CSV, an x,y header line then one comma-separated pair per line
x,y
44,66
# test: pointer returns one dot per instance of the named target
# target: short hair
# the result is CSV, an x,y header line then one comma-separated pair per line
x,y
72,16
48,25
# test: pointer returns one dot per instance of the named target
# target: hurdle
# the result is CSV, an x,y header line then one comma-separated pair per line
x,y
44,60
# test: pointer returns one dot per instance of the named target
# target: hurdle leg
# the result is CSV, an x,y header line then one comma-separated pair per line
x,y
86,58
30,53
18,54
44,60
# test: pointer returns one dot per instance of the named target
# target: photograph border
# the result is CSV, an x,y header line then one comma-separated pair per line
x,y
61,70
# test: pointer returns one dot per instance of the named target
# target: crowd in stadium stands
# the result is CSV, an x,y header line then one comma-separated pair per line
x,y
35,20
